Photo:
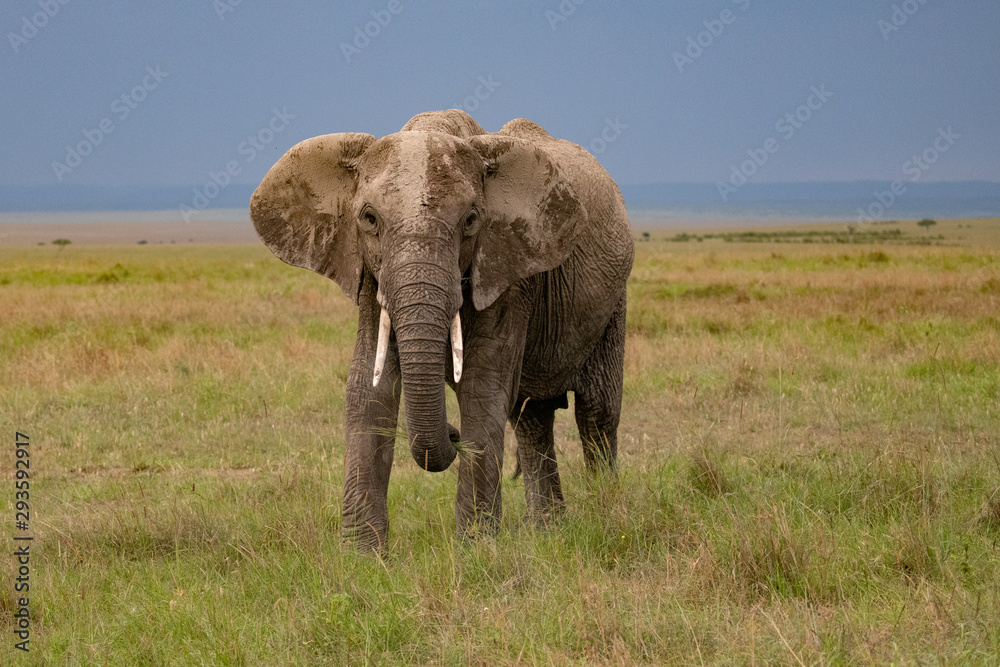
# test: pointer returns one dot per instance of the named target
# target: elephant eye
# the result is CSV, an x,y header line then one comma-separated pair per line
x,y
368,221
472,220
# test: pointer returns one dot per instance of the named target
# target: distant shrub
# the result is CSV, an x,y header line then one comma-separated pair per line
x,y
927,222
877,257
116,274
991,286
61,242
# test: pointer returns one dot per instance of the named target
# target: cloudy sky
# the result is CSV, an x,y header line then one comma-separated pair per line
x,y
110,92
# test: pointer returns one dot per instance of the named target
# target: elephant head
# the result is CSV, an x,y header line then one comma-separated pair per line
x,y
421,211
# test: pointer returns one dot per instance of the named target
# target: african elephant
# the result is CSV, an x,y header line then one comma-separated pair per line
x,y
495,262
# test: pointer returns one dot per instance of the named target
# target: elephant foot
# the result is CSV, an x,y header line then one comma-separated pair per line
x,y
546,514
478,526
366,538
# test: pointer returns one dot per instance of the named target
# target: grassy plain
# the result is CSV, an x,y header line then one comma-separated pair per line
x,y
810,468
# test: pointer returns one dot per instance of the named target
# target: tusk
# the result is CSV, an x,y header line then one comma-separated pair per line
x,y
456,346
384,326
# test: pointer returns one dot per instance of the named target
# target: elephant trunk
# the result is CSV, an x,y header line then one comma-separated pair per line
x,y
421,314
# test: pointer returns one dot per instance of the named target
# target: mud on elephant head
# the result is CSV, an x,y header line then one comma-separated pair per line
x,y
424,211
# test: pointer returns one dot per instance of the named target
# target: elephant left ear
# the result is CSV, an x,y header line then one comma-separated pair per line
x,y
531,216
302,210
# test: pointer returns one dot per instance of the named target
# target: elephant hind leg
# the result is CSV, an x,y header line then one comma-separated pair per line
x,y
598,394
536,456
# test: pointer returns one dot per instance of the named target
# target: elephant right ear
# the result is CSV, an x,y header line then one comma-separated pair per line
x,y
532,213
303,209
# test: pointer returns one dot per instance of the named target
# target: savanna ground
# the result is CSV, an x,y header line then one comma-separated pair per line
x,y
810,464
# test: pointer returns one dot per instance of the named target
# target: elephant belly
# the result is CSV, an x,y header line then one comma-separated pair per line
x,y
572,309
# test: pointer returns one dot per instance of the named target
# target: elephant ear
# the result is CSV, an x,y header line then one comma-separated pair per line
x,y
302,210
531,215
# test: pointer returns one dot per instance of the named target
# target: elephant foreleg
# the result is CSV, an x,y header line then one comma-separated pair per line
x,y
372,412
479,505
493,352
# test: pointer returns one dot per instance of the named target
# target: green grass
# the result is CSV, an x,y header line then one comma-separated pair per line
x,y
810,469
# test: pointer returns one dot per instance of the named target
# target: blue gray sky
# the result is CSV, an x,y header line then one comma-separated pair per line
x,y
162,93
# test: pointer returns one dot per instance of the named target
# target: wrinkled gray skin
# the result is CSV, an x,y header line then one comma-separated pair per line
x,y
525,236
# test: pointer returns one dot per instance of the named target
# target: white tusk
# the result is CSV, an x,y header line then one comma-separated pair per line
x,y
384,325
456,346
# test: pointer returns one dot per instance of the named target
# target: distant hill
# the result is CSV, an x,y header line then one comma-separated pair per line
x,y
658,201
838,200
120,198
